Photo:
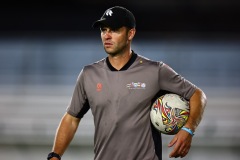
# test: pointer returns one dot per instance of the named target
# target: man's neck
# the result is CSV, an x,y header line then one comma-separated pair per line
x,y
118,61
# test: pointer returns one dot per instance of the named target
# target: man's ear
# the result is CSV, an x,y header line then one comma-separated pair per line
x,y
131,33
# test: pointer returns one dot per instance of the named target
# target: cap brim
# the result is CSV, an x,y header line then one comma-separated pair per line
x,y
97,24
105,22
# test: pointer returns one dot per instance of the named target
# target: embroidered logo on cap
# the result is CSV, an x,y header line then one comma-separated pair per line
x,y
109,12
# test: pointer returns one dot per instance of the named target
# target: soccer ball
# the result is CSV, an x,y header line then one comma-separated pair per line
x,y
169,113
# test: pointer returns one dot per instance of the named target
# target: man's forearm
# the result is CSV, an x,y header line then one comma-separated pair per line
x,y
65,133
197,105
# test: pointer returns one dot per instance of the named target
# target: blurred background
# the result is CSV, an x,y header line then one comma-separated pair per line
x,y
45,44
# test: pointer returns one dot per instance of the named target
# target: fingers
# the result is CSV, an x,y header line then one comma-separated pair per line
x,y
173,141
175,152
179,150
180,154
184,153
182,144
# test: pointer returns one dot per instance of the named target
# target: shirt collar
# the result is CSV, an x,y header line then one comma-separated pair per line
x,y
126,66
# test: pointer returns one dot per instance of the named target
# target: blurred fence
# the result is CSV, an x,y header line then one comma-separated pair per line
x,y
37,78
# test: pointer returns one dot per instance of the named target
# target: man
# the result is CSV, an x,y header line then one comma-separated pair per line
x,y
120,108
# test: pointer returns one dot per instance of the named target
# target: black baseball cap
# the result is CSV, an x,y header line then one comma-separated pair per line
x,y
116,17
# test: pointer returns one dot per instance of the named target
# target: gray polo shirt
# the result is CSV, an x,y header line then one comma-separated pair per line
x,y
120,102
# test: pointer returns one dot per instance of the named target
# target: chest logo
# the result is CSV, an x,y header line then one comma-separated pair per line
x,y
136,85
99,87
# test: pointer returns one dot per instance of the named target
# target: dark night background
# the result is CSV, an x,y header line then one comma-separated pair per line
x,y
152,15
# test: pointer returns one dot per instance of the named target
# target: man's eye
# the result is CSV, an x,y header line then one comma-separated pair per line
x,y
115,30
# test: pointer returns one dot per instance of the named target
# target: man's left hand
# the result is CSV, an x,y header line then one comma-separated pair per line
x,y
182,143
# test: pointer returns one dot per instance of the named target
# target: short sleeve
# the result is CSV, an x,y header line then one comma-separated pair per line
x,y
171,81
79,105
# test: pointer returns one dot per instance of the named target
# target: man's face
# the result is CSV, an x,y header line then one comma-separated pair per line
x,y
114,40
